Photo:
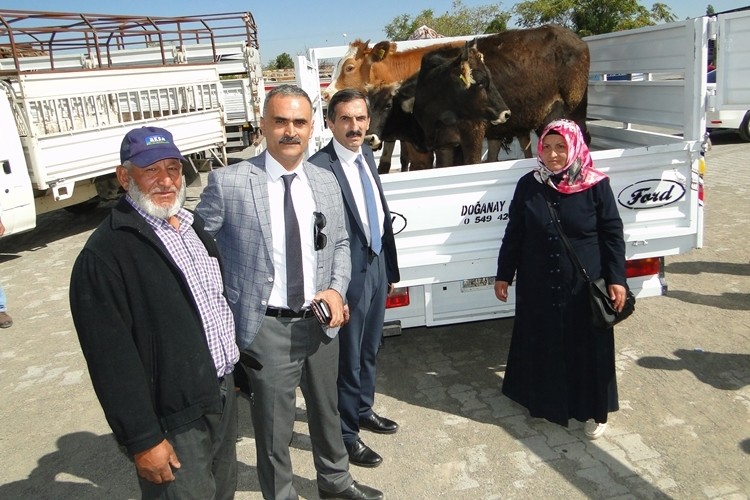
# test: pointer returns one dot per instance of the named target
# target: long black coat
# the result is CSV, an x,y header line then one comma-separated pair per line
x,y
559,365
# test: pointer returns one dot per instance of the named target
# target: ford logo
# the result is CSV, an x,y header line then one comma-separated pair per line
x,y
398,221
652,193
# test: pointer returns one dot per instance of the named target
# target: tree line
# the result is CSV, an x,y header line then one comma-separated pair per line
x,y
584,17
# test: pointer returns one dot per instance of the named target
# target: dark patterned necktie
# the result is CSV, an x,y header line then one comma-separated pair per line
x,y
372,207
295,282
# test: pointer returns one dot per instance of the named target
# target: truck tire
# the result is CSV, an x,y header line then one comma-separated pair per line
x,y
83,207
744,129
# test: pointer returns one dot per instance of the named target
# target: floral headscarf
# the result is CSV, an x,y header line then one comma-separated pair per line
x,y
579,173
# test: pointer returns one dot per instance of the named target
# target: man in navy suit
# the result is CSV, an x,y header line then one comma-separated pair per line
x,y
374,269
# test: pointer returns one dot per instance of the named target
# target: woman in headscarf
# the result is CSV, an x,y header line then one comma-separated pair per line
x,y
559,365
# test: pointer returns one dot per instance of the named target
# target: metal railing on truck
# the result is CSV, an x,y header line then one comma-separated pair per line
x,y
56,41
39,42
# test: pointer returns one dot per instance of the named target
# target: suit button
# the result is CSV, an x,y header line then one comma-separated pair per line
x,y
270,279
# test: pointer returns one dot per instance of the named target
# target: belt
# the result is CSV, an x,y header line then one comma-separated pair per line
x,y
288,313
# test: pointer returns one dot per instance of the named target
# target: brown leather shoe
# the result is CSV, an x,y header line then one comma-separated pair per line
x,y
376,423
5,320
362,455
355,491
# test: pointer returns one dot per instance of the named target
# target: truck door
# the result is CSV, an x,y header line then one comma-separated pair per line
x,y
16,195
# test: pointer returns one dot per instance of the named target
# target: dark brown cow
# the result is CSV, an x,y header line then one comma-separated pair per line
x,y
542,74
455,101
389,122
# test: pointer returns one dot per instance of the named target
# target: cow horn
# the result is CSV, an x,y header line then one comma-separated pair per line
x,y
466,76
408,105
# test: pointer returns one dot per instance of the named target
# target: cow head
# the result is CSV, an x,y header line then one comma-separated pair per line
x,y
391,116
355,68
455,89
381,107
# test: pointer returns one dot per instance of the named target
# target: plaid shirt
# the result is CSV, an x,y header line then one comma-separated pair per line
x,y
202,273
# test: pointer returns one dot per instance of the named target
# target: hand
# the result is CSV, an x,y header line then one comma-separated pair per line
x,y
501,290
335,304
2,228
617,296
155,464
391,287
346,313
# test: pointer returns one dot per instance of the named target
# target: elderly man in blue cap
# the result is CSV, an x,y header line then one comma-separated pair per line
x,y
158,336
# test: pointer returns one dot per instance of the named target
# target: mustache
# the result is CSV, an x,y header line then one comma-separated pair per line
x,y
290,140
354,133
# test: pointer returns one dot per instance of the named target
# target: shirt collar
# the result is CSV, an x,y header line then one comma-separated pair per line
x,y
184,216
274,170
346,156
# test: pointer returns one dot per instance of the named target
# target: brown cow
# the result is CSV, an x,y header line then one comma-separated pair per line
x,y
541,73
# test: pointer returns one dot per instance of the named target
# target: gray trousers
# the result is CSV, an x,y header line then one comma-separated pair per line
x,y
207,451
296,353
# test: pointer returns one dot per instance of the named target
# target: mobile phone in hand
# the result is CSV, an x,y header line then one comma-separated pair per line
x,y
322,311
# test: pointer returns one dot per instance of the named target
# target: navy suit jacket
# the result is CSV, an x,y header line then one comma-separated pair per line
x,y
358,247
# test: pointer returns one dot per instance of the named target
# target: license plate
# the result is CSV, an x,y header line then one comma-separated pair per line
x,y
477,283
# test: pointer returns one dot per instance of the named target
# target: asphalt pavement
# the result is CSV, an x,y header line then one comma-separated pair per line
x,y
683,365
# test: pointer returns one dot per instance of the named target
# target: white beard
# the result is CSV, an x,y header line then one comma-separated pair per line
x,y
151,208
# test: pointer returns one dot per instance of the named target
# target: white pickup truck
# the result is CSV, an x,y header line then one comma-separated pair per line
x,y
648,136
71,86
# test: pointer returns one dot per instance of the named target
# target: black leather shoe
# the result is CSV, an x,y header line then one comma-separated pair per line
x,y
376,423
356,491
360,454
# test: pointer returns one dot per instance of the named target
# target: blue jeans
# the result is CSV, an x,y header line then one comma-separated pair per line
x,y
2,299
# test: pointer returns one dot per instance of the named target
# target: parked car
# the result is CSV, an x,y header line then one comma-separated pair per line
x,y
733,119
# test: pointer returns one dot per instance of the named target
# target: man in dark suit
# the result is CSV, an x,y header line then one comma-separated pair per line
x,y
374,269
279,224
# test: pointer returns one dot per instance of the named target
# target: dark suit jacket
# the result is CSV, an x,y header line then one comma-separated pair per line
x,y
328,159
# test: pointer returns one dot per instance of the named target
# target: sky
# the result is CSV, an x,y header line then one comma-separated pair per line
x,y
294,26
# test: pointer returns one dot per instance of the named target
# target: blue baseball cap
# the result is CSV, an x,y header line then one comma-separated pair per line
x,y
146,145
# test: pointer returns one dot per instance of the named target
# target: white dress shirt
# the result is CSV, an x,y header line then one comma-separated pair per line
x,y
347,157
304,206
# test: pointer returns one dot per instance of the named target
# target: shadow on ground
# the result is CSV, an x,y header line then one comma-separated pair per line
x,y
724,371
458,370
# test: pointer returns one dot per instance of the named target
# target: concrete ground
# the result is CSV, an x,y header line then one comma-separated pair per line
x,y
683,362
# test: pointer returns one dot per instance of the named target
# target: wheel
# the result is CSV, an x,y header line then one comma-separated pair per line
x,y
744,129
84,206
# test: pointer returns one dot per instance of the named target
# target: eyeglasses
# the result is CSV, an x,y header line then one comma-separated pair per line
x,y
321,240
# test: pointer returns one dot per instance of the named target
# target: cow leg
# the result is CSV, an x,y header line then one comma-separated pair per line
x,y
578,115
417,159
472,137
404,158
384,166
493,149
458,156
524,140
444,156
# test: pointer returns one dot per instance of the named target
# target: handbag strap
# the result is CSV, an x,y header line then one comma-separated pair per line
x,y
566,242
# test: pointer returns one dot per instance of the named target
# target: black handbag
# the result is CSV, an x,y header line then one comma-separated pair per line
x,y
603,312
